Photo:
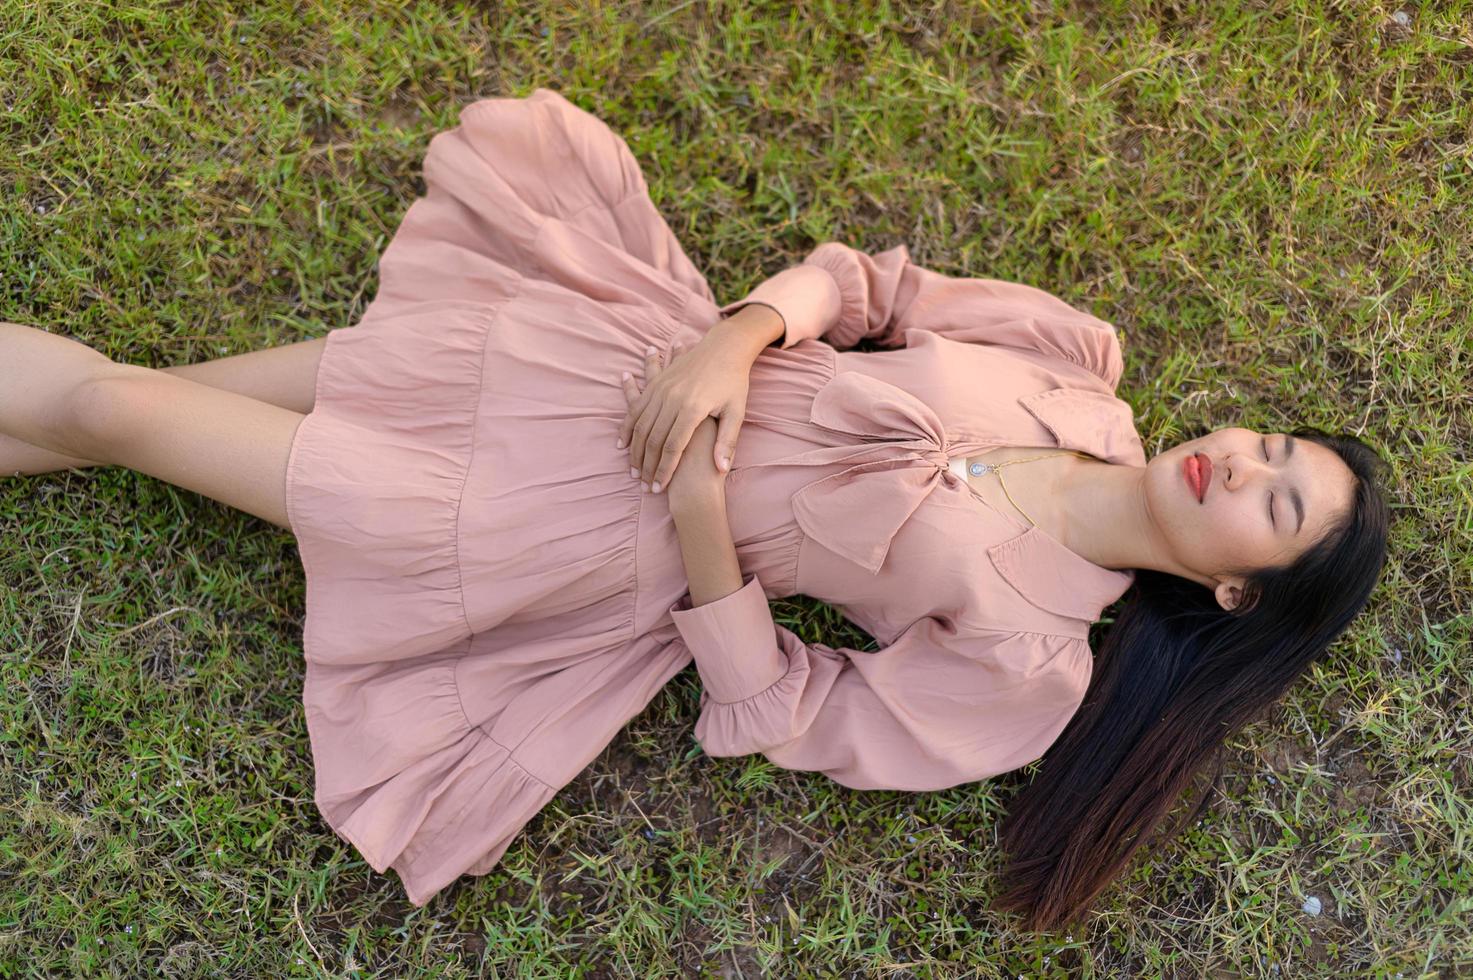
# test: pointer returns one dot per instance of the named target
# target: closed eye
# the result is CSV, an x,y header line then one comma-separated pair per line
x,y
1271,520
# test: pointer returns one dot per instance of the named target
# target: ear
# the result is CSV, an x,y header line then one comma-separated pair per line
x,y
1229,592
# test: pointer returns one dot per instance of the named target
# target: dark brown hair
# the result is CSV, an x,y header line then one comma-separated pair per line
x,y
1175,677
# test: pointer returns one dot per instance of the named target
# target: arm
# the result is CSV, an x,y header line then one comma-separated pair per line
x,y
843,295
937,707
706,547
748,331
709,380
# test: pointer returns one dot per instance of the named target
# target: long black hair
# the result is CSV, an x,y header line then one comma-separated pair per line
x,y
1175,677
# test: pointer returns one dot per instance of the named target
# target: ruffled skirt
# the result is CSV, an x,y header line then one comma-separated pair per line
x,y
482,573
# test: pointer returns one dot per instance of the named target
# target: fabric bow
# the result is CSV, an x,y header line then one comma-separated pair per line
x,y
903,456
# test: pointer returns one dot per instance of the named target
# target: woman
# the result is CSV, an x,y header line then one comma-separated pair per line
x,y
499,577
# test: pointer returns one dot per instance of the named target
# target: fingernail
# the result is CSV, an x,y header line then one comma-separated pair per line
x,y
619,444
646,487
656,486
634,472
627,375
649,350
725,463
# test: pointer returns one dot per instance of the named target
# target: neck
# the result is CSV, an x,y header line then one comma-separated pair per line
x,y
1106,519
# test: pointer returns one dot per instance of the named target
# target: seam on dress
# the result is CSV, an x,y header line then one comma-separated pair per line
x,y
672,284
831,362
511,757
610,663
599,204
455,683
452,822
633,635
492,317
567,219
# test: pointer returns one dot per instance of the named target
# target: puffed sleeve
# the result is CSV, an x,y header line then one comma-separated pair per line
x,y
938,706
842,295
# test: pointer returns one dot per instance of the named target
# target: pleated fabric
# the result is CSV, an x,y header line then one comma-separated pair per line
x,y
476,621
491,597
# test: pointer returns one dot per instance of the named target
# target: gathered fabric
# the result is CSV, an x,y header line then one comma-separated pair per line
x,y
491,597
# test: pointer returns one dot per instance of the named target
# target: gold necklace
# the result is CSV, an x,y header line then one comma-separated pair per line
x,y
981,469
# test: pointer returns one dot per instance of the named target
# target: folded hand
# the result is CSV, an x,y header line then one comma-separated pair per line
x,y
706,381
694,473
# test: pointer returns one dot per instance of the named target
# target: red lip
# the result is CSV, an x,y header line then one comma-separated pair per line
x,y
1198,471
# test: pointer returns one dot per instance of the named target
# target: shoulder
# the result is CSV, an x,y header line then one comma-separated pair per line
x,y
1018,315
1085,340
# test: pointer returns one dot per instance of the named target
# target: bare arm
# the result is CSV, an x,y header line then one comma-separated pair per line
x,y
751,329
697,498
708,380
706,547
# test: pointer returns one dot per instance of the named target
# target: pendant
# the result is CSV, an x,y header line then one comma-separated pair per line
x,y
979,469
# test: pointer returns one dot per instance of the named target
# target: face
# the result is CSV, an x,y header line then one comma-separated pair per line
x,y
1264,499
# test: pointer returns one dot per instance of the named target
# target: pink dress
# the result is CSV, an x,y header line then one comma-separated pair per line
x,y
491,597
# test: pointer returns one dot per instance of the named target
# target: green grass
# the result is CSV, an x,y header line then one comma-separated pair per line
x,y
1272,201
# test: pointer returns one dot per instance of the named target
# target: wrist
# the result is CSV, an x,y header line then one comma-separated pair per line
x,y
751,329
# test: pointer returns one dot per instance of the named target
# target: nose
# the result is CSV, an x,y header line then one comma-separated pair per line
x,y
1242,468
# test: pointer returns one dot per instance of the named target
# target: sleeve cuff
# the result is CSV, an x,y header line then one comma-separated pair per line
x,y
806,297
733,641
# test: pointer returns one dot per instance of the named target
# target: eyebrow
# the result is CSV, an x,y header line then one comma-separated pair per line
x,y
1294,491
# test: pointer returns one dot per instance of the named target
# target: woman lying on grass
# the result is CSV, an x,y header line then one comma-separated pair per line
x,y
546,471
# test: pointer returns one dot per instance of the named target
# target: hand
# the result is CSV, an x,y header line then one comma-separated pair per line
x,y
708,380
697,477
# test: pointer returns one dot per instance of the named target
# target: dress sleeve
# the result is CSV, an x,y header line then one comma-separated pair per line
x,y
842,295
937,707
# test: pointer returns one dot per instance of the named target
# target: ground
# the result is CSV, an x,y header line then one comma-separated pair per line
x,y
1270,201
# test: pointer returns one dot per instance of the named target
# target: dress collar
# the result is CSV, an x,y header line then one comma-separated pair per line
x,y
1039,566
899,452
